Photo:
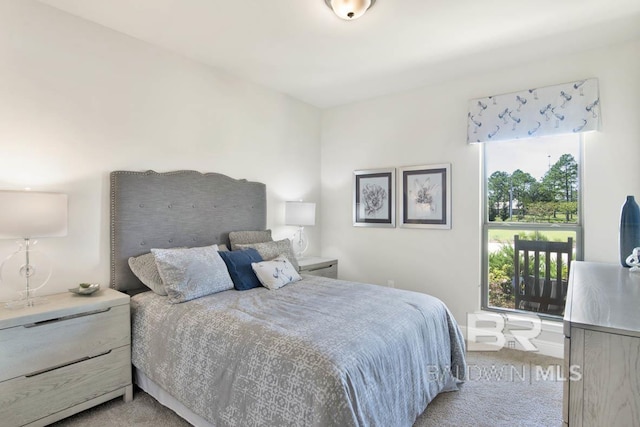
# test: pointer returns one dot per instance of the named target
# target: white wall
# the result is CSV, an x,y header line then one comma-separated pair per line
x,y
78,101
428,126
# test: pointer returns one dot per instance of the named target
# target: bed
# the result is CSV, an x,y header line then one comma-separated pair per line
x,y
317,352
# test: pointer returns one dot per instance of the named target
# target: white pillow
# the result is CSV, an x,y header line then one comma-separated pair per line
x,y
192,273
276,273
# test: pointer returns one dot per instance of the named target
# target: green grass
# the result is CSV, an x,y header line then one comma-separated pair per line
x,y
551,235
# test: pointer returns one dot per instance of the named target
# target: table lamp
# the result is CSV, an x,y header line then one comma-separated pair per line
x,y
25,215
300,214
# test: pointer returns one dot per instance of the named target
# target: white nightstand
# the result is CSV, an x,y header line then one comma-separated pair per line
x,y
63,357
317,266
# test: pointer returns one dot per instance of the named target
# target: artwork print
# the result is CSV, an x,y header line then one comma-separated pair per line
x,y
424,201
426,196
374,199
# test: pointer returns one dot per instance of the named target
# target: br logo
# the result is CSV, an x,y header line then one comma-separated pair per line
x,y
486,331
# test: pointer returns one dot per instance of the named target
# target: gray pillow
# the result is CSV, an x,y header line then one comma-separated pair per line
x,y
145,269
270,250
247,237
192,273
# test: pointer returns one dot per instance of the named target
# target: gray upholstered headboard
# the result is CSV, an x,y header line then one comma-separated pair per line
x,y
173,209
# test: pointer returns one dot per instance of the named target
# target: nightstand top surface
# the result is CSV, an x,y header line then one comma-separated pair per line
x,y
60,305
314,260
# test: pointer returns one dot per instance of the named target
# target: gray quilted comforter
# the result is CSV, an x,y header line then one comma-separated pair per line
x,y
319,352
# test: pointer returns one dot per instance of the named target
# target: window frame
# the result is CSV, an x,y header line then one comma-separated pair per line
x,y
578,228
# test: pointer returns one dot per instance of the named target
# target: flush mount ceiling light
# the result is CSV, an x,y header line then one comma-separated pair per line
x,y
349,9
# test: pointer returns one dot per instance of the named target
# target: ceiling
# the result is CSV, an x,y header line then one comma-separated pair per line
x,y
299,47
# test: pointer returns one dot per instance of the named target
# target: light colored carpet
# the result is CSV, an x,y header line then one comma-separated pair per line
x,y
503,390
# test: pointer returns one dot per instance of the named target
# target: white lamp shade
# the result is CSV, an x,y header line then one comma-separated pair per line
x,y
350,9
300,214
27,214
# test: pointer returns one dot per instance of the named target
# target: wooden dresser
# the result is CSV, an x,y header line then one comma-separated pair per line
x,y
602,346
62,357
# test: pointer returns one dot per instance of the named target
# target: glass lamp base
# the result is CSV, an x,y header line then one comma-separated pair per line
x,y
27,299
24,272
300,243
23,303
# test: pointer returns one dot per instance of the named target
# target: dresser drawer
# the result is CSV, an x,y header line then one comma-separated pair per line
x,y
31,348
28,398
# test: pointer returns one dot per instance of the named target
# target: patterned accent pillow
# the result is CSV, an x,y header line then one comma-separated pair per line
x,y
270,250
192,273
145,269
276,273
248,237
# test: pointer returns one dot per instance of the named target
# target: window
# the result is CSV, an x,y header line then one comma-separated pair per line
x,y
532,189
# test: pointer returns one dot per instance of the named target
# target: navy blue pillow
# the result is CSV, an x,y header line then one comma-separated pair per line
x,y
239,266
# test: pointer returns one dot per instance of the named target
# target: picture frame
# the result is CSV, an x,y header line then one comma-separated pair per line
x,y
374,199
425,196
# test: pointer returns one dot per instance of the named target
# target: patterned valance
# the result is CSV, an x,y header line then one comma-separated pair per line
x,y
552,110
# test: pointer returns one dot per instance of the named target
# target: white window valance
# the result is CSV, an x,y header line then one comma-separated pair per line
x,y
566,108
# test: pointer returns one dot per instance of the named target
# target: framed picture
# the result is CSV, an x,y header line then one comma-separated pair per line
x,y
426,196
374,198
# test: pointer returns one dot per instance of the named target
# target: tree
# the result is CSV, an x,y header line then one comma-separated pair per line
x,y
498,186
561,181
524,187
556,192
542,210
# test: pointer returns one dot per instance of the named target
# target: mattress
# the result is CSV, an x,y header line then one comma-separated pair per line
x,y
318,352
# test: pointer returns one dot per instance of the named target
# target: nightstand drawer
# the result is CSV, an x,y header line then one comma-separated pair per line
x,y
27,399
54,342
330,271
